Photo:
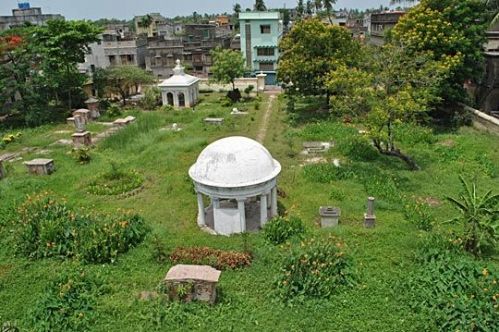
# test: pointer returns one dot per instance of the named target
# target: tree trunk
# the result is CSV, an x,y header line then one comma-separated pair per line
x,y
328,96
398,154
123,95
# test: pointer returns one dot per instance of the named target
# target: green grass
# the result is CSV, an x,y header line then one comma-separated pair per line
x,y
382,256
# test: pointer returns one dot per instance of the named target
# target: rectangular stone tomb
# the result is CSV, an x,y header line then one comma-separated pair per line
x,y
125,121
317,147
82,139
40,166
192,283
71,121
329,216
214,121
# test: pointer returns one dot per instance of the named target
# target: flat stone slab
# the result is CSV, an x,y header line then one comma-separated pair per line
x,y
316,147
193,272
215,121
39,162
8,156
130,119
63,142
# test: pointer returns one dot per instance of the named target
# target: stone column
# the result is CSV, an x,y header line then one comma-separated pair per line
x,y
215,202
274,211
201,213
175,98
263,209
242,214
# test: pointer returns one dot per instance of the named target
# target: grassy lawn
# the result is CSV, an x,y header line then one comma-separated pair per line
x,y
383,256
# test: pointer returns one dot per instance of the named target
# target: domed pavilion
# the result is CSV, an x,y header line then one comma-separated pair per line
x,y
239,176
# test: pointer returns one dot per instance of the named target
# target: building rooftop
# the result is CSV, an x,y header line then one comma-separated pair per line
x,y
234,162
259,16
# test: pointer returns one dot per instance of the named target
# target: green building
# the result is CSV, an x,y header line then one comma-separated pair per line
x,y
260,36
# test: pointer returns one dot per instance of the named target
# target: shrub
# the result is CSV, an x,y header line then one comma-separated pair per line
x,y
358,148
280,229
67,303
159,253
417,212
248,90
318,268
479,217
257,106
326,173
81,155
167,108
114,111
115,182
51,229
151,99
10,138
459,294
219,259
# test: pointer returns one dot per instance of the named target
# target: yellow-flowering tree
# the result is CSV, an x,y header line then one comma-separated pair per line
x,y
392,88
446,28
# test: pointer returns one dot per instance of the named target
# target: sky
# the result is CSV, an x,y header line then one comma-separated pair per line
x,y
126,9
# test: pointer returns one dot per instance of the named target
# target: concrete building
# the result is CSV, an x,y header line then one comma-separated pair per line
x,y
239,176
180,90
153,25
199,40
260,36
95,58
123,48
161,55
26,14
381,23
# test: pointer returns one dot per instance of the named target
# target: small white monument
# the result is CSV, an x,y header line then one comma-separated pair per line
x,y
239,176
180,90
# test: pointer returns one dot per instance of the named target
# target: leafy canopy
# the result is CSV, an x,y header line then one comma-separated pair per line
x,y
227,66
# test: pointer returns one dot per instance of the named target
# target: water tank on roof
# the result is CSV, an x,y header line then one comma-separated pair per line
x,y
23,5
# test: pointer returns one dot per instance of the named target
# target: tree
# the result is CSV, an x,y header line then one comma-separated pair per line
x,y
260,6
145,21
227,66
328,6
237,8
285,17
318,5
309,8
479,216
235,16
300,9
390,88
446,28
121,79
40,75
307,52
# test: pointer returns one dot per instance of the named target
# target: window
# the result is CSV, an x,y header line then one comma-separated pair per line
x,y
266,66
264,51
112,60
265,28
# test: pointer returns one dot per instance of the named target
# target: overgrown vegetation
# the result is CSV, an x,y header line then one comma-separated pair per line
x,y
51,229
280,229
317,268
68,303
115,182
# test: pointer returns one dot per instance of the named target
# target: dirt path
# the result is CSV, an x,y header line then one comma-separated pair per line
x,y
265,121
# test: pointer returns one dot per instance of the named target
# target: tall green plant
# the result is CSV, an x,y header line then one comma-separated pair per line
x,y
479,216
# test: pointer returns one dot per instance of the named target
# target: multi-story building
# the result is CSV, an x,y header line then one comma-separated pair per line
x,y
199,40
26,14
153,25
161,55
381,23
123,48
260,36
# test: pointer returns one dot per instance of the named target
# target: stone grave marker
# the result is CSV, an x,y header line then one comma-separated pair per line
x,y
329,216
40,166
214,121
370,217
82,139
192,283
84,113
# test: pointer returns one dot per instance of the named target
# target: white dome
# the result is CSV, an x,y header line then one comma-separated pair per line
x,y
234,162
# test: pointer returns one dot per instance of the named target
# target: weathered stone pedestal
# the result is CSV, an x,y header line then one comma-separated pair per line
x,y
40,166
82,139
214,121
329,216
84,113
93,107
189,283
370,217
